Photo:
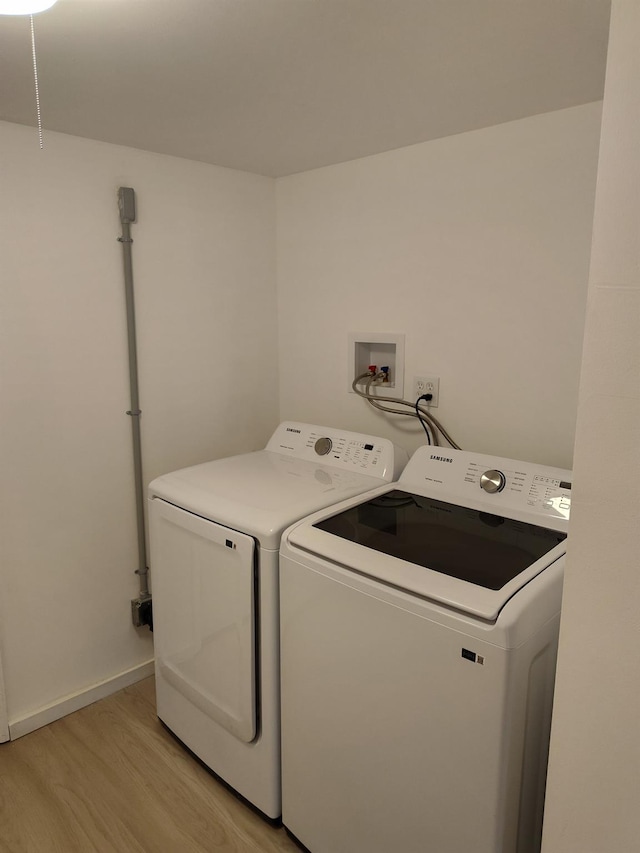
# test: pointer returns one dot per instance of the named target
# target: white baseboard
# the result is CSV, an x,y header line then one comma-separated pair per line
x,y
4,720
75,701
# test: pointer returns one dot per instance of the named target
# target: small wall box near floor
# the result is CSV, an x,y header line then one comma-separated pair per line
x,y
419,629
215,533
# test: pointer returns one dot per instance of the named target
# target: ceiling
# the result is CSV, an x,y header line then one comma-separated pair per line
x,y
281,86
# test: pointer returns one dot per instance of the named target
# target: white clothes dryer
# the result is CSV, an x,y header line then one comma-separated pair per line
x,y
419,631
215,531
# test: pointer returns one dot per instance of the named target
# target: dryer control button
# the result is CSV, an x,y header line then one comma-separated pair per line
x,y
323,446
493,481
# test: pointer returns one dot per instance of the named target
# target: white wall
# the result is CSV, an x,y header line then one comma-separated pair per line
x,y
204,267
476,247
594,773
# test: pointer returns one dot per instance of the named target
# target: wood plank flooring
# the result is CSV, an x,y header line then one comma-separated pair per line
x,y
111,778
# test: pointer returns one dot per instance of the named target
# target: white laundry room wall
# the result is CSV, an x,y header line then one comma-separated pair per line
x,y
594,770
476,248
204,269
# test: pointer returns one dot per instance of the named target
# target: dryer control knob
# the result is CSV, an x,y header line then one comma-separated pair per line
x,y
323,446
493,481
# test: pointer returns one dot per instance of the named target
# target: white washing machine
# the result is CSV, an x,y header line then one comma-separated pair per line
x,y
418,642
215,530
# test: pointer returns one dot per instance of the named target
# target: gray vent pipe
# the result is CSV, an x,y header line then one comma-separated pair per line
x,y
127,207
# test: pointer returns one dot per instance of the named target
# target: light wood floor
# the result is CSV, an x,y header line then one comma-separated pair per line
x,y
111,778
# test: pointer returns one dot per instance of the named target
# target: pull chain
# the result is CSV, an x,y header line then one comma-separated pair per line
x,y
35,79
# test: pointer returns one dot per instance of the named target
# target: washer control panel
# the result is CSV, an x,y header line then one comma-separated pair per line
x,y
357,452
459,474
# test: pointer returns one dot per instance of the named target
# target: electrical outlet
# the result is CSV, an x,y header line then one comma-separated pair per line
x,y
142,612
427,385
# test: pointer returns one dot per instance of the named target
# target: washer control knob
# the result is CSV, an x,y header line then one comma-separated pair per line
x,y
323,446
493,481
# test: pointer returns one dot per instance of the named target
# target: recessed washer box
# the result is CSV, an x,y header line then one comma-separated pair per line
x,y
381,349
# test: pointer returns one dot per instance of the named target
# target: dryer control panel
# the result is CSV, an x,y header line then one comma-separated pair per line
x,y
358,452
504,483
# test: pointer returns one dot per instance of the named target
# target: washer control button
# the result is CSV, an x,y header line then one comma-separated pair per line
x,y
493,481
323,446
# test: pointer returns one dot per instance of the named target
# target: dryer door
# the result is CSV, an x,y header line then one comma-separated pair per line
x,y
203,579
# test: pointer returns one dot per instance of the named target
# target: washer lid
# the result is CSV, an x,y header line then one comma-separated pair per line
x,y
461,557
259,493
